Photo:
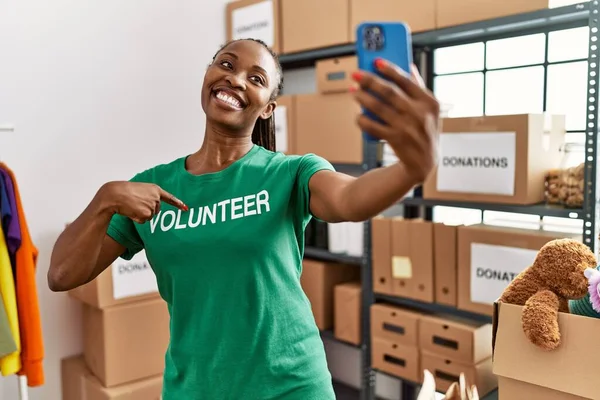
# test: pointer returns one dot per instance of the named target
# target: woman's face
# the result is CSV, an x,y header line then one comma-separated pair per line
x,y
238,85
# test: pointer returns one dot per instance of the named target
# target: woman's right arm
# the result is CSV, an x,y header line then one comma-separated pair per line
x,y
83,250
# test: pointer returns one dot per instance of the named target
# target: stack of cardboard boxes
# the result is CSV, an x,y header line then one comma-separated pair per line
x,y
466,266
406,342
125,336
334,292
324,122
492,159
290,26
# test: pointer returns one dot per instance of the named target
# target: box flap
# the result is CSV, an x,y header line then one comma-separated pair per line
x,y
572,368
494,326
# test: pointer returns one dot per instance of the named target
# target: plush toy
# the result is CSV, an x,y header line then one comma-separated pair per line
x,y
594,287
544,288
589,306
457,391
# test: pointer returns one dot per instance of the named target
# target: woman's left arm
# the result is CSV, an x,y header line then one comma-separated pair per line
x,y
410,115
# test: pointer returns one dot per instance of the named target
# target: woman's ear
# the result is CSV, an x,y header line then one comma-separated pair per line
x,y
269,110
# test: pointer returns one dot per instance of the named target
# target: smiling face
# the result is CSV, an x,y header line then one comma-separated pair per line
x,y
239,85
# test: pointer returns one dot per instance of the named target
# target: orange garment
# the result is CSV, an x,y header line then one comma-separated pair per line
x,y
30,325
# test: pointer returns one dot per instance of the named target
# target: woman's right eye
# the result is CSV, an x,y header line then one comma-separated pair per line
x,y
226,64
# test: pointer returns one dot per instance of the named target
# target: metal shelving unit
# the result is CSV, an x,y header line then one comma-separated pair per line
x,y
328,334
431,308
324,255
542,210
345,392
579,15
557,18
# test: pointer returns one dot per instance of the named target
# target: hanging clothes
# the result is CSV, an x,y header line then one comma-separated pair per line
x,y
10,364
7,341
32,348
10,217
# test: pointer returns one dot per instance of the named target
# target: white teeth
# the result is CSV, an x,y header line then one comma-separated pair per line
x,y
228,99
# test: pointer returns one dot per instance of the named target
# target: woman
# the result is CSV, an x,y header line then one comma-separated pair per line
x,y
227,243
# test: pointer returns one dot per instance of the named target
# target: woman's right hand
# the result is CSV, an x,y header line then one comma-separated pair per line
x,y
137,200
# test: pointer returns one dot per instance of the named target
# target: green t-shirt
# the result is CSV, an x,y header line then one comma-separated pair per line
x,y
229,270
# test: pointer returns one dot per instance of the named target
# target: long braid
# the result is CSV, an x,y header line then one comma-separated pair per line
x,y
263,133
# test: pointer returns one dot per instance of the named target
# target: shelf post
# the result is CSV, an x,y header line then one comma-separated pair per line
x,y
591,212
370,161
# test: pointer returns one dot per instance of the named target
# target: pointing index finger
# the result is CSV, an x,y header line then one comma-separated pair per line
x,y
172,200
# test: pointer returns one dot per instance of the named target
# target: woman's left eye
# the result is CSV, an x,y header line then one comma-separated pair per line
x,y
257,79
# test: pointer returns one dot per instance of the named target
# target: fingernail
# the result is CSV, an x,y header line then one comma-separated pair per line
x,y
185,208
357,76
352,89
380,63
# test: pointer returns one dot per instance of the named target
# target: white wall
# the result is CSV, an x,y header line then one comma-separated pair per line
x,y
97,90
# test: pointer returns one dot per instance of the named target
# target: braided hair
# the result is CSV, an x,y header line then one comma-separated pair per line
x,y
263,133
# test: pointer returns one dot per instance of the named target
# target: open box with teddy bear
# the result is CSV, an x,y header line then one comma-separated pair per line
x,y
544,330
546,324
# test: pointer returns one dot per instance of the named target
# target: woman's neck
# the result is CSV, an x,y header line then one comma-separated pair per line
x,y
218,151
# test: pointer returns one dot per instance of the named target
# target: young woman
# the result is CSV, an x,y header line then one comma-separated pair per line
x,y
223,229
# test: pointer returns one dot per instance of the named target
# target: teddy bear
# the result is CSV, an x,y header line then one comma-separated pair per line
x,y
556,276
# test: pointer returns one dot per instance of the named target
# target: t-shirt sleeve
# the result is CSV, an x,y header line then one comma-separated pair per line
x,y
123,230
308,166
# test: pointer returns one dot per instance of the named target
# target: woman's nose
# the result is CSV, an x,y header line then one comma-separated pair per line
x,y
237,81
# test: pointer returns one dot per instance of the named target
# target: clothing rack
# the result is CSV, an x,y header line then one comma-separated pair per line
x,y
23,389
22,379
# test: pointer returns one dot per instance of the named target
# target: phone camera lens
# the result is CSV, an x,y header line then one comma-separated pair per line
x,y
373,38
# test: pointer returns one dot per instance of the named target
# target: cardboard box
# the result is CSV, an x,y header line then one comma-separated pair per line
x,y
326,125
347,312
489,258
527,372
412,259
447,371
445,245
318,280
78,383
509,389
396,359
419,16
334,75
123,282
285,113
257,19
451,12
395,324
312,24
464,341
127,342
381,239
497,159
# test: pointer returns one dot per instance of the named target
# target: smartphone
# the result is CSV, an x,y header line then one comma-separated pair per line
x,y
388,40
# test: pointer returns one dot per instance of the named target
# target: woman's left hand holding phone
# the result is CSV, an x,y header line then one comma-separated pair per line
x,y
410,114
